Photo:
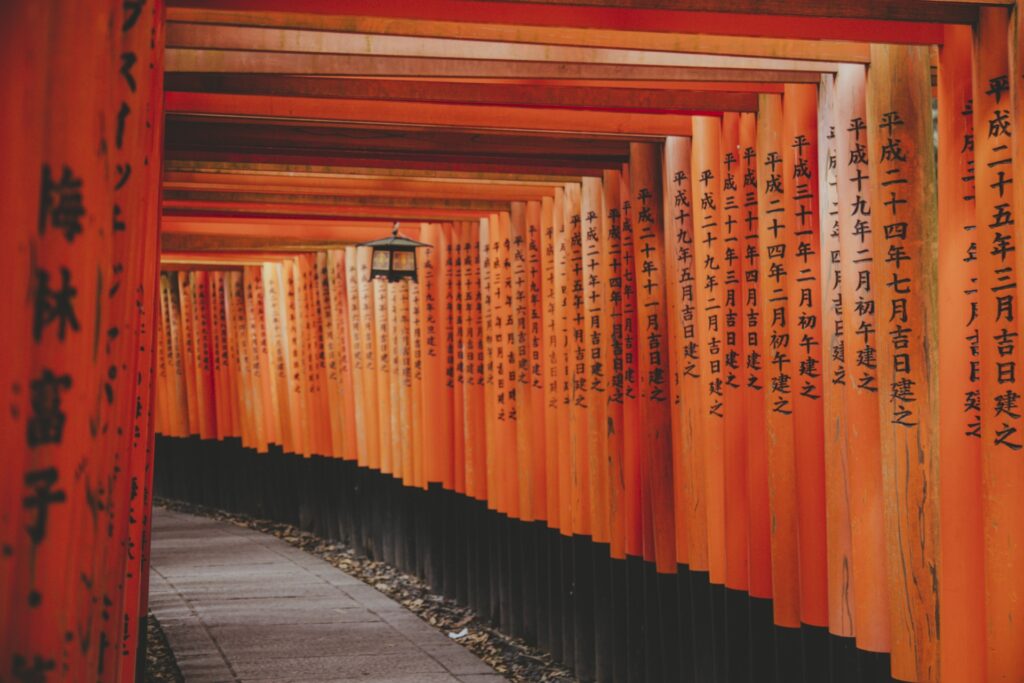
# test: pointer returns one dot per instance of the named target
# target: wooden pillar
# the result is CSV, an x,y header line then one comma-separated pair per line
x,y
902,167
685,359
961,570
551,218
834,373
534,358
1002,440
734,463
760,568
652,337
611,238
436,411
775,339
859,291
803,263
595,345
709,253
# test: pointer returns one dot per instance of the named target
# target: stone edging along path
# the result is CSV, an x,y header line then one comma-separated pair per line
x,y
512,657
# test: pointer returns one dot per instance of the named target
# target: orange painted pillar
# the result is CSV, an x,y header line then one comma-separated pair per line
x,y
437,421
773,282
833,359
961,570
579,472
734,461
859,290
1002,439
710,276
759,529
595,346
551,224
902,167
519,358
611,240
803,259
652,338
534,353
489,282
563,303
684,336
630,384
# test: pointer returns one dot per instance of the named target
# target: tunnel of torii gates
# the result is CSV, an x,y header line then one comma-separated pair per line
x,y
708,373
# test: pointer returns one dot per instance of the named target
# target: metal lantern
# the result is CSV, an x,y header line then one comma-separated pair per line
x,y
394,257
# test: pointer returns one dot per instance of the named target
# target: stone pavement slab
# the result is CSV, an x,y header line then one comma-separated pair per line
x,y
239,605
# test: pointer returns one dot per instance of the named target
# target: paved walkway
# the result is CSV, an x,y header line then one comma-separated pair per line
x,y
239,605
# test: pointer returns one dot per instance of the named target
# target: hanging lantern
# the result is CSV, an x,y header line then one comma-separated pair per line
x,y
394,257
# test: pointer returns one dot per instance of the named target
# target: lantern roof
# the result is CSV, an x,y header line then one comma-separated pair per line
x,y
395,240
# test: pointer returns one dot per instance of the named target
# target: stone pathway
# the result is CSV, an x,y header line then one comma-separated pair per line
x,y
238,605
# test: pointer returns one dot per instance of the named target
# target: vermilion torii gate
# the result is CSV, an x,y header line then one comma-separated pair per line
x,y
709,372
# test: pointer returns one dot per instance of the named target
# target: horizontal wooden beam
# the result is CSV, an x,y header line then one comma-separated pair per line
x,y
777,48
559,96
421,113
349,171
694,86
417,163
262,39
264,141
181,198
199,208
235,61
940,11
883,21
312,185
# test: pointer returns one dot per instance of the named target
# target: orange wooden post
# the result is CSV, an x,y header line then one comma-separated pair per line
x,y
534,357
476,441
773,282
358,352
456,294
759,553
833,370
579,472
710,273
652,335
393,381
684,334
859,289
563,301
961,569
518,357
507,455
372,413
630,384
187,348
900,146
595,347
551,216
734,462
551,223
278,343
266,383
330,378
611,238
418,354
24,50
998,329
803,263
340,297
404,380
489,286
437,421
216,307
